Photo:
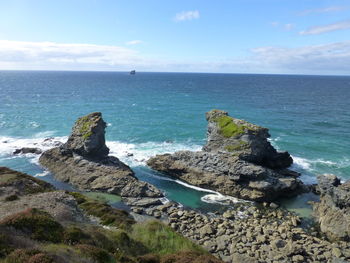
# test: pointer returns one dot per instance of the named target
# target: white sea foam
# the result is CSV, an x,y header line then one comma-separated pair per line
x,y
218,198
9,144
137,154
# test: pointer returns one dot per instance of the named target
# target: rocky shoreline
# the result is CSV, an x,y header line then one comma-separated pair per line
x,y
238,161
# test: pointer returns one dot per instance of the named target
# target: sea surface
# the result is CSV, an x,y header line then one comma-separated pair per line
x,y
154,113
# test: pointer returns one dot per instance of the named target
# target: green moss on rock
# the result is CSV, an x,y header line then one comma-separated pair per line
x,y
228,128
107,214
85,126
241,145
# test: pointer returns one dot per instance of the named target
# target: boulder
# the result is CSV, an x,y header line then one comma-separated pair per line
x,y
333,211
83,161
237,160
26,150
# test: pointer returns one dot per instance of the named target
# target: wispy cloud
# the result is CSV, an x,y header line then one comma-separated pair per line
x,y
323,10
333,58
288,27
186,15
134,42
329,58
316,30
49,54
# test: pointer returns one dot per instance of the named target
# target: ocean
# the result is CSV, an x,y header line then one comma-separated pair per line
x,y
154,113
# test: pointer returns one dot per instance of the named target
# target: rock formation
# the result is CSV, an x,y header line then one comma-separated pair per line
x,y
333,210
237,160
83,161
246,140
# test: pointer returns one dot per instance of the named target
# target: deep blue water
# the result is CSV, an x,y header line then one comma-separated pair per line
x,y
151,113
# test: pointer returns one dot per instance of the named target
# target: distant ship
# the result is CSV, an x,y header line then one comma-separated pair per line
x,y
133,72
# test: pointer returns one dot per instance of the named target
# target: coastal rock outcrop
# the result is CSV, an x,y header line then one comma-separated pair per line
x,y
83,161
237,160
333,210
246,140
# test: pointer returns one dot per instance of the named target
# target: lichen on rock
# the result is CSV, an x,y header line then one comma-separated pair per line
x,y
237,160
88,136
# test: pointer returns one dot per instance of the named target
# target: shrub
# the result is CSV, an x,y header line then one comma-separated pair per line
x,y
98,254
4,245
39,225
73,235
28,256
11,198
149,258
189,257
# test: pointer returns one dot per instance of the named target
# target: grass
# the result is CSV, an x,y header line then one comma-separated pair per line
x,y
26,183
38,224
161,239
107,215
103,197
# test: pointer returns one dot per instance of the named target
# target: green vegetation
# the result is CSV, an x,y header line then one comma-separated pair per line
x,y
103,197
241,145
85,126
28,256
100,255
27,184
107,214
38,224
161,239
34,236
228,128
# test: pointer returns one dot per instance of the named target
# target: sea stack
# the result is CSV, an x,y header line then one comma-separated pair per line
x,y
237,160
83,161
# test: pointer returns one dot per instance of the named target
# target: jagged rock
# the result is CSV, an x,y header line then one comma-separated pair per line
x,y
227,170
88,137
83,162
333,210
243,139
26,150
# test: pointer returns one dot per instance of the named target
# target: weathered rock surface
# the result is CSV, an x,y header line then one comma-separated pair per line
x,y
246,140
246,233
26,150
83,161
19,191
237,160
333,210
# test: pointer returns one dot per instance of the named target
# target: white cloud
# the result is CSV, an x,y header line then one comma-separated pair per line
x,y
38,55
134,42
323,10
333,58
288,27
316,30
186,15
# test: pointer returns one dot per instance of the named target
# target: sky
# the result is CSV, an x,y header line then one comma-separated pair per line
x,y
222,36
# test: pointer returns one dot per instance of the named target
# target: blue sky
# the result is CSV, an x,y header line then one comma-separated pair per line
x,y
229,36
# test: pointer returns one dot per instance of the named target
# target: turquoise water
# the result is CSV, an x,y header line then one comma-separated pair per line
x,y
150,113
